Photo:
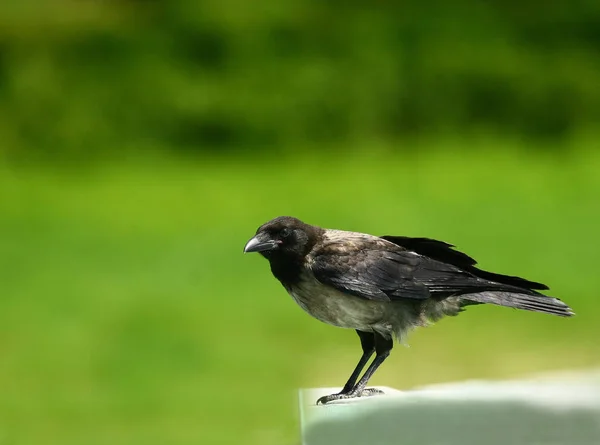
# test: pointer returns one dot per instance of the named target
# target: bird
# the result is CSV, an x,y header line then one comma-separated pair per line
x,y
383,287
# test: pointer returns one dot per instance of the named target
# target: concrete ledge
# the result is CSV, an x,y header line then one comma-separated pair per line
x,y
554,409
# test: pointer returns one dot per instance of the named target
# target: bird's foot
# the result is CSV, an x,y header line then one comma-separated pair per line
x,y
367,392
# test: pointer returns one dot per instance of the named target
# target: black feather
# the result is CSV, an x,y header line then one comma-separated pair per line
x,y
376,273
438,250
444,252
371,274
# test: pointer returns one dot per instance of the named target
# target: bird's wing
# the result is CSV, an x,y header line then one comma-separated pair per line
x,y
377,272
444,252
370,274
438,250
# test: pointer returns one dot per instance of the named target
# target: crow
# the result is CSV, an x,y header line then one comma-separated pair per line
x,y
383,286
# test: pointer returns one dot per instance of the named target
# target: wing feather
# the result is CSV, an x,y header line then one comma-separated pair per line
x,y
376,272
444,252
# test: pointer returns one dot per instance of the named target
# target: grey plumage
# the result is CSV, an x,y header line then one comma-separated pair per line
x,y
399,289
383,287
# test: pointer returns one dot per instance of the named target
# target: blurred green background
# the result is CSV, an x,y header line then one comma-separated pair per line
x,y
143,142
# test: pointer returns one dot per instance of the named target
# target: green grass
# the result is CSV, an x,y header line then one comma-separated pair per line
x,y
129,314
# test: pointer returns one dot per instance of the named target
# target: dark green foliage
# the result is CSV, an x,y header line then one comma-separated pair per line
x,y
79,77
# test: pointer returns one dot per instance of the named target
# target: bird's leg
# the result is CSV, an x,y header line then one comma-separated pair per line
x,y
367,341
383,347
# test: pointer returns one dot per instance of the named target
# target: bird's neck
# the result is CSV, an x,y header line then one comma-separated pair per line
x,y
286,269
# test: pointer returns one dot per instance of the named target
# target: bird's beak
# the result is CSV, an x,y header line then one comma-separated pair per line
x,y
260,243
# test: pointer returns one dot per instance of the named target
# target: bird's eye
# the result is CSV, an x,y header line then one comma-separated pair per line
x,y
285,232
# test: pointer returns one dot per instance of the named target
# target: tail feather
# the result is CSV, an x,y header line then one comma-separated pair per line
x,y
528,302
507,279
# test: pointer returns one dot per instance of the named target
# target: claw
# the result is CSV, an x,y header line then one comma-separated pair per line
x,y
368,392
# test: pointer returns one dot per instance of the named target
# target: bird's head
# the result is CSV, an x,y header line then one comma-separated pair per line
x,y
284,236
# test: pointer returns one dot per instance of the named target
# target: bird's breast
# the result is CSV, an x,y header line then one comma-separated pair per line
x,y
334,307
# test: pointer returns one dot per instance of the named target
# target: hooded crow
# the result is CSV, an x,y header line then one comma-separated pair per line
x,y
383,286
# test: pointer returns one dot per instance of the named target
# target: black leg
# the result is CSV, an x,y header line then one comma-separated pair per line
x,y
382,348
367,341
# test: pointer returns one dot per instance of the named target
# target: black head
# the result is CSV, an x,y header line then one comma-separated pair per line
x,y
283,236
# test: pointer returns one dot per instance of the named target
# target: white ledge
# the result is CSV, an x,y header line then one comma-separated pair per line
x,y
553,409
